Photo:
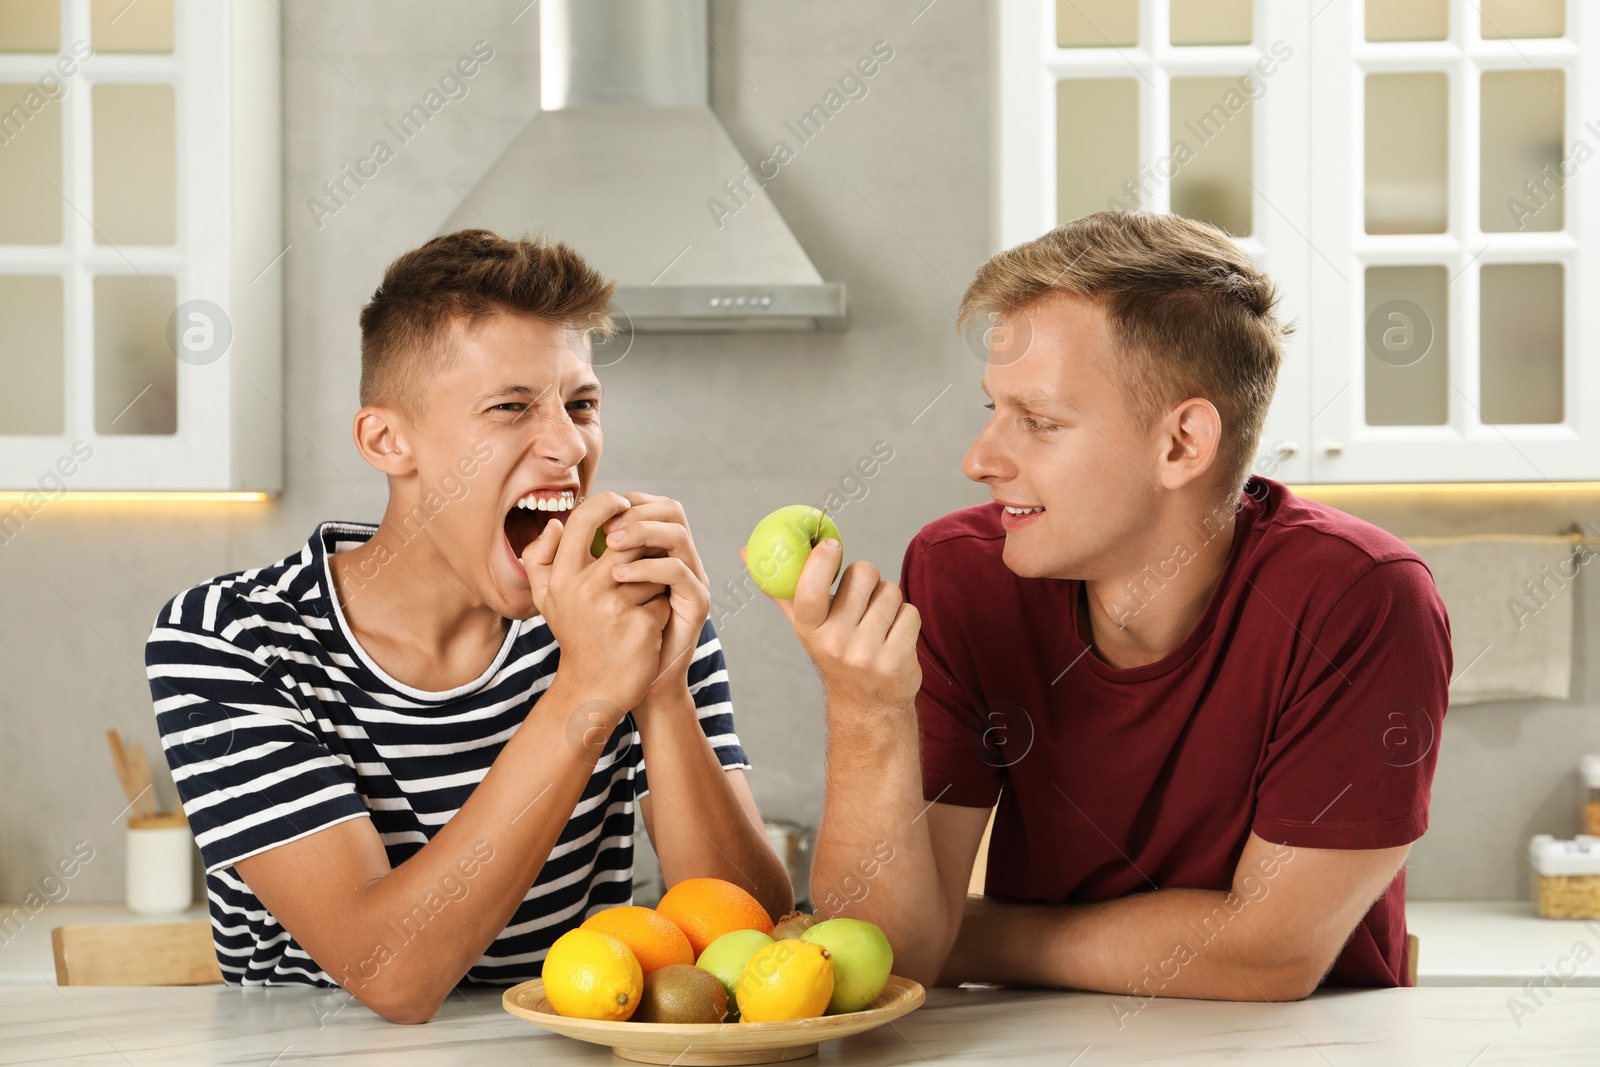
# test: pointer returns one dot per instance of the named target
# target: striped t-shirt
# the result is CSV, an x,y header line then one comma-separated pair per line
x,y
276,724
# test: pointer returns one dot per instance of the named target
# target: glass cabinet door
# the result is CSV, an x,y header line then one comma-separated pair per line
x,y
1445,334
1189,106
140,164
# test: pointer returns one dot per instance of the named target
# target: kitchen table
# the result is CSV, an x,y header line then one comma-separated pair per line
x,y
276,1027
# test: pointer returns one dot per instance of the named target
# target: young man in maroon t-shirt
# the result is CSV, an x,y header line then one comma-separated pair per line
x,y
1207,710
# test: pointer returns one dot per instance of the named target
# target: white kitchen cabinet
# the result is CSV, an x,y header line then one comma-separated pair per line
x,y
1416,177
141,246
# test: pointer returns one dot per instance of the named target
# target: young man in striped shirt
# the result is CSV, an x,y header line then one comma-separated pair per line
x,y
410,752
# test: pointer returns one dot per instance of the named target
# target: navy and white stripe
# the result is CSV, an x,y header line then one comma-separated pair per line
x,y
276,725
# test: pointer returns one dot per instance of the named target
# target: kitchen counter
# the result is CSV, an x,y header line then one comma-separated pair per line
x,y
284,1025
1500,942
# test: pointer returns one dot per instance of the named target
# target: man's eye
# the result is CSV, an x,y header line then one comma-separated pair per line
x,y
512,405
593,405
990,405
1034,424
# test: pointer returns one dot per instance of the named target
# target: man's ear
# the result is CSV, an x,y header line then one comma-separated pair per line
x,y
382,436
1192,435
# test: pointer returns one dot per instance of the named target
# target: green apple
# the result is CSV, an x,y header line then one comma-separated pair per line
x,y
779,545
726,956
861,961
598,545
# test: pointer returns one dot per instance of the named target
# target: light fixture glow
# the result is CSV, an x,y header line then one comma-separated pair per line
x,y
93,496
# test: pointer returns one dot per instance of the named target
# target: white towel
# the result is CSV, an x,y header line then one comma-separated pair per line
x,y
1510,602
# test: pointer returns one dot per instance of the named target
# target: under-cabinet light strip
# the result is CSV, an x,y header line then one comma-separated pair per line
x,y
91,496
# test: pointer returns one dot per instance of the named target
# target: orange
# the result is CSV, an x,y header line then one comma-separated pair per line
x,y
655,939
707,908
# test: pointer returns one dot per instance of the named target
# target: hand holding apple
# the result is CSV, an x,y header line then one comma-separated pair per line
x,y
610,632
657,527
862,639
778,547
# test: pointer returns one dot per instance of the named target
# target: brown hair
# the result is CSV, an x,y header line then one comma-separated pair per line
x,y
460,279
1192,314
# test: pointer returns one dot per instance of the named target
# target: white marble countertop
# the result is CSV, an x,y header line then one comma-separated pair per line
x,y
1492,946
1494,942
285,1025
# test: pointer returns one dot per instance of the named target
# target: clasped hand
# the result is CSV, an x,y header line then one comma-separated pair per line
x,y
627,623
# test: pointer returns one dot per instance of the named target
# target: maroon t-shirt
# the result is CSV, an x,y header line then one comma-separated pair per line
x,y
1305,706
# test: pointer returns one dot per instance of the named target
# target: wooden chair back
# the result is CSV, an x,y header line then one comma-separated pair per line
x,y
136,953
980,864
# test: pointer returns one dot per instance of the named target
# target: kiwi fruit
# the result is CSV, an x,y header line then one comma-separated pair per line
x,y
793,925
681,993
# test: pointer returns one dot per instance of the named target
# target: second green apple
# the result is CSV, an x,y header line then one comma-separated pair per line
x,y
862,959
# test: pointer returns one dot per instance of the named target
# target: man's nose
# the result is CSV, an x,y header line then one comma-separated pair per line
x,y
983,459
557,439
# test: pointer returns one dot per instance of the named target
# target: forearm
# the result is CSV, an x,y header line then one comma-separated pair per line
x,y
874,856
699,826
1171,942
414,938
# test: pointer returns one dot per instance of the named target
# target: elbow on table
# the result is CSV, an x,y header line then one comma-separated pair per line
x,y
1289,980
409,1015
398,1004
928,969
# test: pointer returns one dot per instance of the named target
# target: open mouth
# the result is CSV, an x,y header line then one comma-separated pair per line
x,y
532,513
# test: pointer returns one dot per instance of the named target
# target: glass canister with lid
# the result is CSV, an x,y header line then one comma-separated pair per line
x,y
1566,883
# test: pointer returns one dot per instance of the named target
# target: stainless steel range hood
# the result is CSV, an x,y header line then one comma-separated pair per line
x,y
627,163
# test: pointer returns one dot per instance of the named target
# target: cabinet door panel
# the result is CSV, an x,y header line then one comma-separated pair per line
x,y
140,254
1415,242
1194,107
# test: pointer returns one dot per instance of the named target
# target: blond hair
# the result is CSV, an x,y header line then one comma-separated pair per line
x,y
463,278
1192,314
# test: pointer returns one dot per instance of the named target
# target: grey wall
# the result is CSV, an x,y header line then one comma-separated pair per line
x,y
892,199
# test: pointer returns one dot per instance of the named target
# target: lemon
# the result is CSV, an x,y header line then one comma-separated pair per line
x,y
592,975
789,979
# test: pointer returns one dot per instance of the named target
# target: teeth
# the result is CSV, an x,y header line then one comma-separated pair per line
x,y
1022,511
532,502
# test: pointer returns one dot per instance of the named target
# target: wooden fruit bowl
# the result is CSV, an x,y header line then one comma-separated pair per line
x,y
715,1043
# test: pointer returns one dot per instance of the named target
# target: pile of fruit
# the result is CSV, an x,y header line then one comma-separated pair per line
x,y
709,953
